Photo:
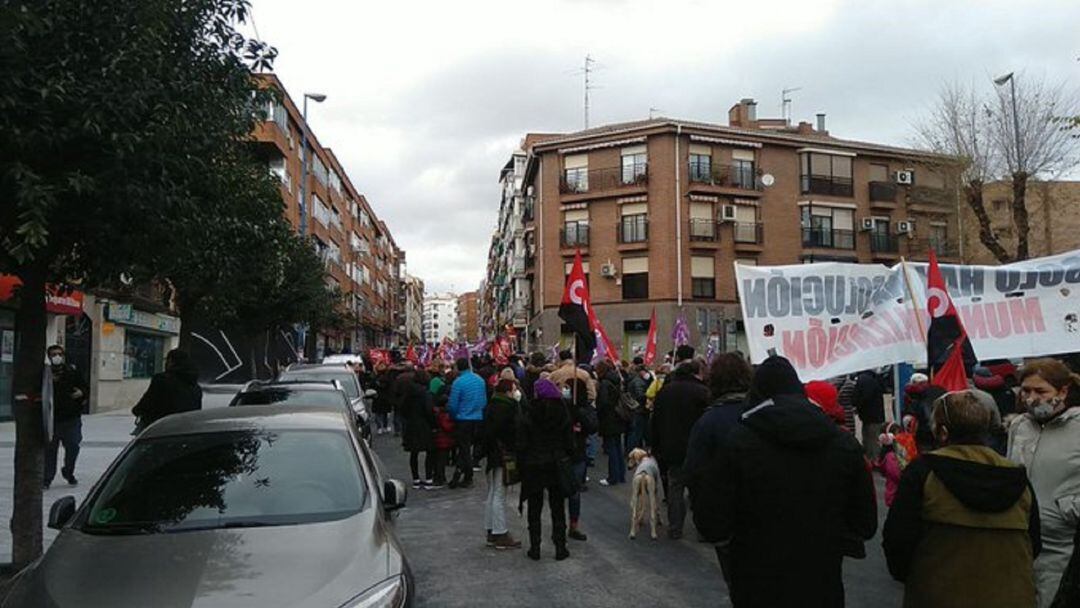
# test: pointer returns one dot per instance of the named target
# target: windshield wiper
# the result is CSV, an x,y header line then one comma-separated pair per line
x,y
123,528
225,525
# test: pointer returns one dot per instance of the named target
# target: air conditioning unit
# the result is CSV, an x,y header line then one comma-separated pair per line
x,y
529,190
727,213
905,178
905,227
866,224
607,270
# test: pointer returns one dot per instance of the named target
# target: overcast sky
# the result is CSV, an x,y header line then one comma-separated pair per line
x,y
426,100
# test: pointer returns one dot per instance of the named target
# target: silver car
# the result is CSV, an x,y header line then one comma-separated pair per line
x,y
241,506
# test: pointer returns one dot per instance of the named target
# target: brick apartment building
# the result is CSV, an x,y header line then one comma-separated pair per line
x,y
1053,217
662,209
468,316
362,259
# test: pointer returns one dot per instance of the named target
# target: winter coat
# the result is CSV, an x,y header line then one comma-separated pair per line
x,y
468,397
532,374
66,381
963,531
1051,454
383,401
418,408
919,402
637,386
500,429
569,371
678,406
889,465
583,423
444,429
173,391
788,493
710,433
543,433
869,398
607,398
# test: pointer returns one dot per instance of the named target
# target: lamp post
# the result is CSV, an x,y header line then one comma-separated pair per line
x,y
317,98
999,81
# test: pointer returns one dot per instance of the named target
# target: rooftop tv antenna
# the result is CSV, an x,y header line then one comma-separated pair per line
x,y
785,102
653,112
587,69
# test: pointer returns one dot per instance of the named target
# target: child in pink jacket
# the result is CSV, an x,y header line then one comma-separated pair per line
x,y
889,464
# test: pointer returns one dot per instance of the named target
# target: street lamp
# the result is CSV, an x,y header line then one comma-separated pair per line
x,y
1000,81
317,98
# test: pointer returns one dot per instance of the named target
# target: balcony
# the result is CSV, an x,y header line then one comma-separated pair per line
x,y
827,185
582,181
574,234
748,233
825,238
517,267
703,230
726,176
883,242
633,229
882,192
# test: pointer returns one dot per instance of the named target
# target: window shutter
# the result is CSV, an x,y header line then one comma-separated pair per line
x,y
576,215
702,268
742,155
635,265
701,211
700,150
577,161
631,150
634,208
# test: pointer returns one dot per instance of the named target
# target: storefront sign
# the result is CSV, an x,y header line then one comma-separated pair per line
x,y
126,314
57,301
836,318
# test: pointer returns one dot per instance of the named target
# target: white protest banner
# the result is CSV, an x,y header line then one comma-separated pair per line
x,y
836,318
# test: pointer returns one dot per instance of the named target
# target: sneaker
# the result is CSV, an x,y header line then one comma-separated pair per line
x,y
476,469
506,541
427,482
434,486
534,553
46,485
417,484
576,534
606,483
70,478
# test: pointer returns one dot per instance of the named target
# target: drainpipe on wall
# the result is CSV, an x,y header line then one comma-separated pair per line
x,y
539,204
960,223
678,217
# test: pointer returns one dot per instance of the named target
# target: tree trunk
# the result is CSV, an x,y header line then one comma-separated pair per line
x,y
1020,214
26,530
973,192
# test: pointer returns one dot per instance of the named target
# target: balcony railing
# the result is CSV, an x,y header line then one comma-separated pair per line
x,y
828,239
729,176
574,235
883,192
633,229
827,185
883,242
748,232
578,181
703,230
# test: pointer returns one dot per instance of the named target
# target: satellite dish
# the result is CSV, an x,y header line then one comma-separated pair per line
x,y
767,180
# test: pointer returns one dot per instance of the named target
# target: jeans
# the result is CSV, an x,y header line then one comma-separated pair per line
x,y
382,421
464,433
638,427
870,432
616,459
495,505
68,433
575,500
592,447
676,499
414,465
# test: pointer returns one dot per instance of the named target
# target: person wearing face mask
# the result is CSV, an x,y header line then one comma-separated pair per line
x,y
69,397
173,391
1046,440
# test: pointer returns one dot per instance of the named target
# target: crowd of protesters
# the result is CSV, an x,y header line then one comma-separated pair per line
x,y
982,486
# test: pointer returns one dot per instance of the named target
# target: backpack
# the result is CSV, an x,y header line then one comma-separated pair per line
x,y
626,406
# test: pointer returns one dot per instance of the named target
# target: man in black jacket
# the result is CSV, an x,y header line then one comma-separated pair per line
x,y
678,406
69,397
173,391
869,400
788,496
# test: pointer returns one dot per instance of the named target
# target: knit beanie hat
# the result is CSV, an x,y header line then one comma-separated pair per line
x,y
775,376
546,389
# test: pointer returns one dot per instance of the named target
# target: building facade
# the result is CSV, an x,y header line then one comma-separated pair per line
x,y
1053,217
413,299
507,288
440,318
468,316
662,210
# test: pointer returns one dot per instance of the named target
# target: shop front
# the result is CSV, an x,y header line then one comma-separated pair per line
x,y
129,347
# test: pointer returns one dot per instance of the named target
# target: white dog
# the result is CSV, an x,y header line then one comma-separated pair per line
x,y
646,479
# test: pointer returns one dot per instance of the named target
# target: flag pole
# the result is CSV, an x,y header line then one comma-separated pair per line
x,y
911,299
573,356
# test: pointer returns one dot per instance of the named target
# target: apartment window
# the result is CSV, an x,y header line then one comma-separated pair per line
x,y
280,170
700,163
576,173
635,278
634,223
702,221
879,172
575,231
930,178
703,277
881,240
828,174
635,164
320,210
742,169
828,227
939,237
144,354
747,229
318,169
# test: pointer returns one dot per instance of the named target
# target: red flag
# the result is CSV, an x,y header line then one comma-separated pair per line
x,y
576,309
650,341
602,337
410,354
948,350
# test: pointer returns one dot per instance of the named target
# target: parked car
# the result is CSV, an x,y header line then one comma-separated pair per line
x,y
342,360
244,506
330,393
358,397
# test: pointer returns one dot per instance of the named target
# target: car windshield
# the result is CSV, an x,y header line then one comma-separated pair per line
x,y
284,396
346,377
230,479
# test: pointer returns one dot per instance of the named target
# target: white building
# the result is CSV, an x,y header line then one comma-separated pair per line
x,y
413,289
440,318
507,290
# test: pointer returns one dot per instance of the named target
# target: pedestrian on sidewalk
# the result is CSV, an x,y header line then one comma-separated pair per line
x,y
612,427
69,398
869,401
418,410
583,423
468,398
499,437
964,528
173,391
545,445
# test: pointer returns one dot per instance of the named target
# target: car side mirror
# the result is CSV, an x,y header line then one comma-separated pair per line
x,y
61,512
394,494
371,393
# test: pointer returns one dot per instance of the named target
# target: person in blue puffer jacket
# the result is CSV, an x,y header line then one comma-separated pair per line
x,y
468,398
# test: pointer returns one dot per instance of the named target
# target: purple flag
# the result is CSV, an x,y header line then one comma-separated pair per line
x,y
479,347
462,351
680,334
601,349
425,356
553,357
710,351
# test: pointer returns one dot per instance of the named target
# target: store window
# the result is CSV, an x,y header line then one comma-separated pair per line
x,y
144,354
